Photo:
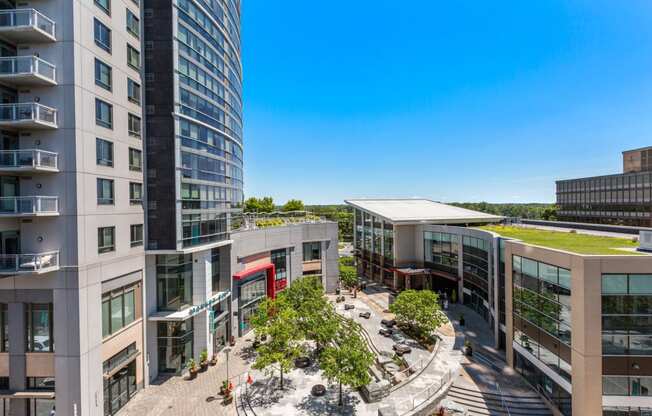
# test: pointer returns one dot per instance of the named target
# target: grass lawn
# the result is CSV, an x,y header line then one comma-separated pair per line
x,y
577,243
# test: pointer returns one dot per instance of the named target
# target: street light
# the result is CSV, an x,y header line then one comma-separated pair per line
x,y
227,350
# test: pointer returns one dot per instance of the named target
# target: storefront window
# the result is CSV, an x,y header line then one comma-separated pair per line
x,y
253,289
119,389
118,309
39,327
175,342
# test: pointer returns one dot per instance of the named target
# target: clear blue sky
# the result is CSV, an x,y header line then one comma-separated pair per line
x,y
452,100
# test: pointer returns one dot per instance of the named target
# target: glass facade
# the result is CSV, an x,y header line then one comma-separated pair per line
x,y
250,293
121,385
175,343
173,281
542,312
555,393
441,251
475,263
209,82
388,244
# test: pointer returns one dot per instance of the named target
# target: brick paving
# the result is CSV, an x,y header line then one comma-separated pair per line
x,y
177,396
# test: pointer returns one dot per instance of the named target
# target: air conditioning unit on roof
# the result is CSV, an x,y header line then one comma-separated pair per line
x,y
645,240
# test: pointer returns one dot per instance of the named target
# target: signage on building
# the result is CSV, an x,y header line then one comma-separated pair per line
x,y
210,302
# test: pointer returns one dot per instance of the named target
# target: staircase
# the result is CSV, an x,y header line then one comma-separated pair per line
x,y
480,403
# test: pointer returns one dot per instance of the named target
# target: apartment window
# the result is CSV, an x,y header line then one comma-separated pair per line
x,y
133,125
279,258
135,160
133,57
102,35
105,5
105,239
40,383
104,191
4,324
104,152
133,91
102,74
135,193
312,251
136,235
118,309
133,24
39,327
103,114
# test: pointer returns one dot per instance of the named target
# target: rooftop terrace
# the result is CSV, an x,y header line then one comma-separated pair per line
x,y
568,241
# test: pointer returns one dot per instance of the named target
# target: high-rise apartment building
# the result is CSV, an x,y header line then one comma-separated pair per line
x,y
71,236
620,199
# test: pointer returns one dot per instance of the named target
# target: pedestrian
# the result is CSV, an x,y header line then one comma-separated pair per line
x,y
53,411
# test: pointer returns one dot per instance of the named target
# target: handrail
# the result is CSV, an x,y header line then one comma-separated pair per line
x,y
28,157
29,64
29,204
28,111
14,263
440,384
27,17
502,399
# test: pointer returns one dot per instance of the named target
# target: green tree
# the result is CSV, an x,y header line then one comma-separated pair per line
x,y
316,317
349,277
549,214
419,310
293,205
348,359
277,322
264,204
347,261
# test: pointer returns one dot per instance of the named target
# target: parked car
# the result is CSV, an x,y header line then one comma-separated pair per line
x,y
401,349
388,322
386,332
398,338
365,315
348,306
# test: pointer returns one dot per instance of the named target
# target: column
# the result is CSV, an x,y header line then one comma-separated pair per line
x,y
17,347
201,291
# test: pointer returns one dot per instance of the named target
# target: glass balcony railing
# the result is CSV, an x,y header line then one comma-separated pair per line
x,y
27,70
28,205
30,25
33,115
29,263
28,159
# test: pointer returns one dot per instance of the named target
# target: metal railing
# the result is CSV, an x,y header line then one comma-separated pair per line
x,y
15,263
21,205
26,18
24,65
28,111
424,395
28,158
254,221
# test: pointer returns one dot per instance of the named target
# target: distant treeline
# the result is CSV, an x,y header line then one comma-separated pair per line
x,y
534,211
342,214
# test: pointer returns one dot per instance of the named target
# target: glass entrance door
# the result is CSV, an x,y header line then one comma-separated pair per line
x,y
119,389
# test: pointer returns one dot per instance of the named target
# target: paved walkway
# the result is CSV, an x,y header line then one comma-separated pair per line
x,y
268,400
176,396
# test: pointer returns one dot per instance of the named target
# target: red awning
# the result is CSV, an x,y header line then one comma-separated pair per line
x,y
248,272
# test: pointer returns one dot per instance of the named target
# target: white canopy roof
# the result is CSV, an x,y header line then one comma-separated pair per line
x,y
420,211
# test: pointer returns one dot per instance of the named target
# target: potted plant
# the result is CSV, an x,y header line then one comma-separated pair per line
x,y
462,322
191,365
526,342
468,349
203,360
213,361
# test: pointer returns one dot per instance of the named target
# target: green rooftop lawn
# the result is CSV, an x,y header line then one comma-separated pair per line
x,y
575,242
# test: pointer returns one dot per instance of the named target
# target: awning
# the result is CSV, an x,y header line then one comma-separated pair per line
x,y
6,394
128,360
248,272
410,271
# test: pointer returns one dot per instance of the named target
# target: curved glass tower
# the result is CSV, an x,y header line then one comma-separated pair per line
x,y
193,121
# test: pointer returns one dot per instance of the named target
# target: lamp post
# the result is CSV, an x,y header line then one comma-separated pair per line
x,y
227,350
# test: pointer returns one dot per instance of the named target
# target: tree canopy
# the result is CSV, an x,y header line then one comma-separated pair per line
x,y
278,322
419,310
348,276
264,204
293,205
348,359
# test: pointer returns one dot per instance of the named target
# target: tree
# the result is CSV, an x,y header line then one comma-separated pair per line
x,y
347,261
549,214
277,322
264,204
316,315
348,359
349,277
293,205
419,310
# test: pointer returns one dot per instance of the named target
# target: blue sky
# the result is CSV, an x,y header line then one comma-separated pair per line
x,y
455,101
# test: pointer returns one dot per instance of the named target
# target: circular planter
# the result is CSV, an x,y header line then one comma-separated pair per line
x,y
318,390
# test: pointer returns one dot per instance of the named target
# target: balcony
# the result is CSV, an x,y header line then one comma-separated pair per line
x,y
29,206
27,70
26,26
28,160
11,264
28,116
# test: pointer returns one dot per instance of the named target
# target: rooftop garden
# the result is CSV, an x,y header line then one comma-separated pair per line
x,y
568,241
